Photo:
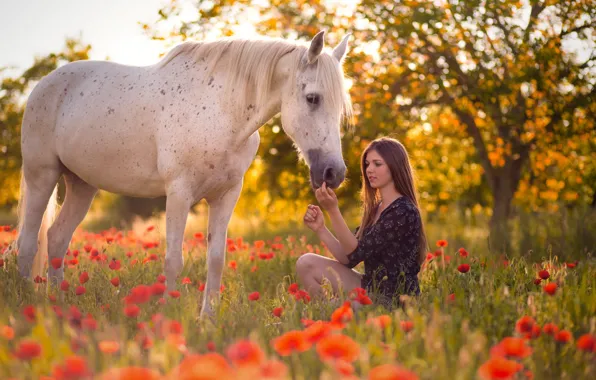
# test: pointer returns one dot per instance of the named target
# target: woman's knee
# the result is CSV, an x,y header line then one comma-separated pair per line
x,y
306,263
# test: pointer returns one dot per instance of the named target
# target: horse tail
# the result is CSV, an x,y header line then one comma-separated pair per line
x,y
48,219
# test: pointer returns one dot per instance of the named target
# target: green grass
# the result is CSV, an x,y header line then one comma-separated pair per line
x,y
451,339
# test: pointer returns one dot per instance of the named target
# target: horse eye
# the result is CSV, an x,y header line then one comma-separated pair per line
x,y
313,99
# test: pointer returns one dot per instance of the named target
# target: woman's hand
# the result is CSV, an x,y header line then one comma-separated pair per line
x,y
326,197
313,218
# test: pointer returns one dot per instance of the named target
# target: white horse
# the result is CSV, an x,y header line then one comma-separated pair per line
x,y
186,128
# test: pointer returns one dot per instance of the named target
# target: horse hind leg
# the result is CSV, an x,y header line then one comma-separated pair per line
x,y
37,185
79,195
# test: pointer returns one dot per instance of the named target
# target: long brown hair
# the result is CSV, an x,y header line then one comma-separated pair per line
x,y
396,157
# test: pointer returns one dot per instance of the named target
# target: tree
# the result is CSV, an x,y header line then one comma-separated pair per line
x,y
503,68
13,93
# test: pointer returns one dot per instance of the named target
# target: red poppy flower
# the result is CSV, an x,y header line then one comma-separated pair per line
x,y
407,325
293,288
535,333
442,243
359,295
84,277
244,353
7,332
278,311
80,290
563,336
302,295
115,281
174,294
158,289
132,311
254,296
462,252
543,274
463,268
550,329
342,315
317,331
208,366
27,350
89,323
29,313
56,262
64,285
511,346
497,367
391,372
587,343
550,288
525,324
108,346
336,347
139,294
292,341
130,373
115,264
381,322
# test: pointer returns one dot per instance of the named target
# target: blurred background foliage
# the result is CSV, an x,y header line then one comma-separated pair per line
x,y
494,101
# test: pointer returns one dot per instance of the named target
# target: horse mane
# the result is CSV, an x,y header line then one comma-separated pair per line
x,y
252,62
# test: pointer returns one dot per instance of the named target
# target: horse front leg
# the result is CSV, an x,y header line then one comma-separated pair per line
x,y
220,212
178,204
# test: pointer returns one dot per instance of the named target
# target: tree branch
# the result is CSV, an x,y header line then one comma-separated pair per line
x,y
423,102
579,28
473,131
534,13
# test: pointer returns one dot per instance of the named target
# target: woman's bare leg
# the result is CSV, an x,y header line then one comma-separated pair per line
x,y
313,269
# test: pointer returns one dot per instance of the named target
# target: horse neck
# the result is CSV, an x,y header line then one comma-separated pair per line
x,y
258,114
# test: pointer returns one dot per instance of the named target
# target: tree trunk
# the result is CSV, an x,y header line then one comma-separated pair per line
x,y
500,240
505,183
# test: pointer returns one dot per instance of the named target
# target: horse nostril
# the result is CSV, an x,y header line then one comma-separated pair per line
x,y
329,174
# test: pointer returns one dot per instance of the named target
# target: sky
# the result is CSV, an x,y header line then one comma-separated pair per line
x,y
39,27
30,28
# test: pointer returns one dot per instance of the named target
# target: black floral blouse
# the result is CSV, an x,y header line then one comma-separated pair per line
x,y
390,249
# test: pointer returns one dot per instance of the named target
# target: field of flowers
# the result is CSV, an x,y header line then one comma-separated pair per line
x,y
480,315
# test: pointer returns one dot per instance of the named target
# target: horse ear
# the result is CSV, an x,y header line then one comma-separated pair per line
x,y
316,46
340,50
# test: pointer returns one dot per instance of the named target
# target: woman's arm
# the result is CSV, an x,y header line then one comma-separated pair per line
x,y
345,237
333,245
328,201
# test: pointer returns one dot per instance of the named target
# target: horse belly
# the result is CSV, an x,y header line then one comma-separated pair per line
x,y
116,154
114,165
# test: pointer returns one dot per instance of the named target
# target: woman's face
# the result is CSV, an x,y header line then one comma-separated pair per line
x,y
377,171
